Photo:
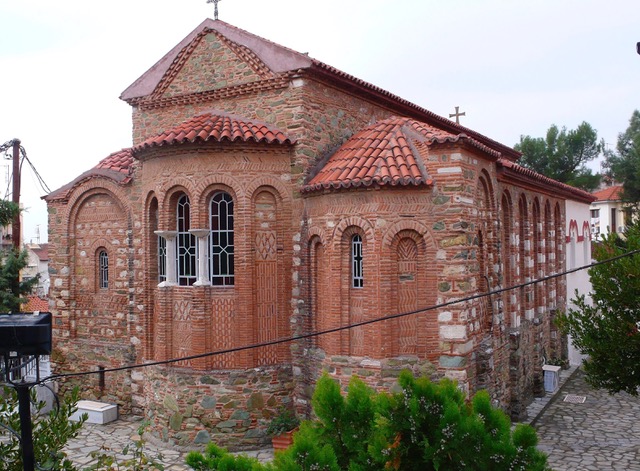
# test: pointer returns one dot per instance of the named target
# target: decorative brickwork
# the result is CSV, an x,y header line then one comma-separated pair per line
x,y
318,234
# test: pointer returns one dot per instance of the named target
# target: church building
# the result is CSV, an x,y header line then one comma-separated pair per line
x,y
268,195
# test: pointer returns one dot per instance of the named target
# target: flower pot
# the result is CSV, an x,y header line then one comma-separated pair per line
x,y
282,441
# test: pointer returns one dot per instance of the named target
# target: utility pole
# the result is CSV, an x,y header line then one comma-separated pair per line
x,y
15,226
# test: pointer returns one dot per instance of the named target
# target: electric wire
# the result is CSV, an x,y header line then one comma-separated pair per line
x,y
340,328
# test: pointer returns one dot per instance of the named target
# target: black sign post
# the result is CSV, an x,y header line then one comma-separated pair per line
x,y
24,335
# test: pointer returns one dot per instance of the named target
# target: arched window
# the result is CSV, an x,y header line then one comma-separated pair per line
x,y
186,243
103,269
221,245
357,278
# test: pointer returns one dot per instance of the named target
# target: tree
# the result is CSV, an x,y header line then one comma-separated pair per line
x,y
51,433
12,261
422,426
623,164
562,155
607,327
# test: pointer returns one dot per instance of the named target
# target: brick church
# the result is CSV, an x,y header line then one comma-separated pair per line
x,y
269,195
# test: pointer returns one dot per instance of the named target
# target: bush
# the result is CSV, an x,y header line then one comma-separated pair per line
x,y
424,426
50,432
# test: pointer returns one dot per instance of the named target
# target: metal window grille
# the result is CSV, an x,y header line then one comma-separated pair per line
x,y
186,244
221,240
162,259
357,278
103,269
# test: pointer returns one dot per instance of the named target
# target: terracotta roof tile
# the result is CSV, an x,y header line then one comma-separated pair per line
x,y
217,127
120,161
36,303
380,154
612,193
117,167
540,179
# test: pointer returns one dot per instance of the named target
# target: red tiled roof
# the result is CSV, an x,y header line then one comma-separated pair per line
x,y
117,167
283,61
612,193
120,161
385,153
538,179
36,303
42,252
217,127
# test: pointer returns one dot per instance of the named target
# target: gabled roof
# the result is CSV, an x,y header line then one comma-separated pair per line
x,y
612,193
389,152
217,127
527,176
117,167
286,63
42,251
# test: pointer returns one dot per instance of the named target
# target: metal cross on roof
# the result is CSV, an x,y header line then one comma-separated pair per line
x,y
215,11
457,115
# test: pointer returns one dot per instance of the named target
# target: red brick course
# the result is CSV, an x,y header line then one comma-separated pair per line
x,y
470,230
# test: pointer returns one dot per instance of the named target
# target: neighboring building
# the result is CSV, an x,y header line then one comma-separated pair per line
x,y
38,264
268,195
578,255
607,212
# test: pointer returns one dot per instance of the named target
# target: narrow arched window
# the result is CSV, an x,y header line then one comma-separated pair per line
x,y
221,243
357,279
186,243
103,269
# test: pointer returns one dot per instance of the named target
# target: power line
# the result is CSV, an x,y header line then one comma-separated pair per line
x,y
341,328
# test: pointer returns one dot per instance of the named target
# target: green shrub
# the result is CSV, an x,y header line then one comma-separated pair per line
x,y
423,427
51,432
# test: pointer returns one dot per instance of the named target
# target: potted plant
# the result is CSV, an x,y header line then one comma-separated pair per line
x,y
282,427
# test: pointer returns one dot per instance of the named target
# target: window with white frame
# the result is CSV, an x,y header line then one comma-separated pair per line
x,y
357,279
185,243
221,242
103,269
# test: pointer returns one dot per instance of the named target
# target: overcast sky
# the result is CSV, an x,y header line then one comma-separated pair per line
x,y
514,67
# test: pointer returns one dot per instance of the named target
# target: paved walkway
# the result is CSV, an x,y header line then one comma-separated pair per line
x,y
603,433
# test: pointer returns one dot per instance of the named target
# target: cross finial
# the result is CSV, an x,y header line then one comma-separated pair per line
x,y
457,115
215,11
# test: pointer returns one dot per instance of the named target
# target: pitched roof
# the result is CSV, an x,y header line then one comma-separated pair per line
x,y
285,62
42,251
36,303
217,127
612,193
389,152
117,167
525,175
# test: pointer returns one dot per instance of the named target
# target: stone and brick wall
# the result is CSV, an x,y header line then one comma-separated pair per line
x,y
471,231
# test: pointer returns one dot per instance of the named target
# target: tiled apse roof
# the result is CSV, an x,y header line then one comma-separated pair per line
x,y
217,127
385,153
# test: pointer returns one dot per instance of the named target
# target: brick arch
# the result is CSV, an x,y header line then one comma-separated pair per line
x,y
94,248
507,248
82,269
409,251
169,189
484,181
207,185
167,206
264,182
315,231
267,238
410,225
352,222
204,203
112,190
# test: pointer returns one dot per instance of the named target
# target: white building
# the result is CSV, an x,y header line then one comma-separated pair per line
x,y
578,254
607,212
